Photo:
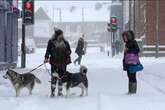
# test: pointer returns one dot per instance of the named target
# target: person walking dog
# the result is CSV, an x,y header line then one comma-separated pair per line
x,y
58,55
131,62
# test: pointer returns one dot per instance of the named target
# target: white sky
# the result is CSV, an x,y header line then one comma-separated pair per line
x,y
89,10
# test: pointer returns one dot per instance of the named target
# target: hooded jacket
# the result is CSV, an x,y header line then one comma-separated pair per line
x,y
132,45
57,55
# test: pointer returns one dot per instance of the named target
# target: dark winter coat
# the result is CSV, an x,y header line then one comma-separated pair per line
x,y
57,55
132,47
80,47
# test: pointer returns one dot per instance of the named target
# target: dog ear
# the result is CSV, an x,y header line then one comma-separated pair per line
x,y
9,70
85,70
15,74
82,68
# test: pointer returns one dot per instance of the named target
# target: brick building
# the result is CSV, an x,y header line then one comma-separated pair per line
x,y
144,20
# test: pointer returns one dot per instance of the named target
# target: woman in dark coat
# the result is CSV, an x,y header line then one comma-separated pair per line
x,y
58,55
80,50
131,46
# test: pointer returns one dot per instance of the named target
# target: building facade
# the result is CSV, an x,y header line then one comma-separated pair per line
x,y
144,19
8,34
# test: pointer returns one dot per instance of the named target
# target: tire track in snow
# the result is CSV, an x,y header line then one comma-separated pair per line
x,y
153,86
156,75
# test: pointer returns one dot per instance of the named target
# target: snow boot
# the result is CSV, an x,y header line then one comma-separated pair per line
x,y
60,88
52,95
52,92
53,87
132,88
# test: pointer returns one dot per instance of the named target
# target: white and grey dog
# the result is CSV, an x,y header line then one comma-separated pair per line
x,y
20,81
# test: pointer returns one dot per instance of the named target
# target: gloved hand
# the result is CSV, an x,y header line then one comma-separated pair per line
x,y
46,60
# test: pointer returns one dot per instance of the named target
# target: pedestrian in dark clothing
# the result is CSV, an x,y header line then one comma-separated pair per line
x,y
131,47
58,55
80,50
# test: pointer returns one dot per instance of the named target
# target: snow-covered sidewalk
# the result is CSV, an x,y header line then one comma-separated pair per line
x,y
107,86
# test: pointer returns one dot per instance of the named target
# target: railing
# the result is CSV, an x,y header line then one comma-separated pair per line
x,y
150,50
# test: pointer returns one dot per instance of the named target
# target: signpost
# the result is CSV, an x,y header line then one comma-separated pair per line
x,y
27,19
114,27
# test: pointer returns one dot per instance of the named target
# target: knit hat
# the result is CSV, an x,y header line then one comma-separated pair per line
x,y
58,32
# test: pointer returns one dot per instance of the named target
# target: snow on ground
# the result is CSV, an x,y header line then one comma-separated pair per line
x,y
107,86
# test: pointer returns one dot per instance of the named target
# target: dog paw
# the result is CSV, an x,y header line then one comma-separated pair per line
x,y
52,95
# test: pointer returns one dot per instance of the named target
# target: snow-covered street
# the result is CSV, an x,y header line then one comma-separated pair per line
x,y
107,86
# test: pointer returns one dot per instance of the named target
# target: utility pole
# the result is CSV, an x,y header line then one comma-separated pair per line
x,y
109,36
114,28
60,15
113,50
157,27
130,14
82,26
53,16
134,16
23,48
27,19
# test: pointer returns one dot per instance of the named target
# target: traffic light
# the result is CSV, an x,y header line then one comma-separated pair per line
x,y
114,24
28,12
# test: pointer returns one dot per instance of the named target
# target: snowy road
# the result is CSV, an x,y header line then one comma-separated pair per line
x,y
107,86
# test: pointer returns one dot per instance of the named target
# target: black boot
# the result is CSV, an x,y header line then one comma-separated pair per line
x,y
132,88
52,91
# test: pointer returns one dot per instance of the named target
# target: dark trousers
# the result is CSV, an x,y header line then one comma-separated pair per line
x,y
131,77
60,71
78,59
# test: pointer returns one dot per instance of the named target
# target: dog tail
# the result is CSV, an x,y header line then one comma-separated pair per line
x,y
37,80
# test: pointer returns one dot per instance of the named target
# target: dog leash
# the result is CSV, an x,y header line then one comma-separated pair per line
x,y
50,73
47,69
36,68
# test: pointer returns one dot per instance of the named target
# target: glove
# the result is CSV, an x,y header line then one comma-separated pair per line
x,y
46,60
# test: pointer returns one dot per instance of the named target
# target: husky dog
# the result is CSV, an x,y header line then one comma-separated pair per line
x,y
20,81
78,79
